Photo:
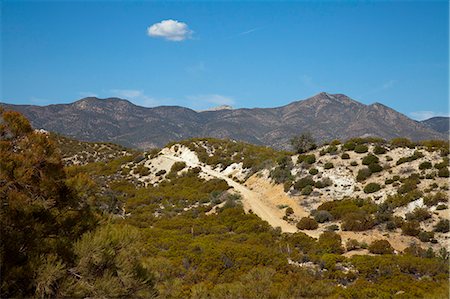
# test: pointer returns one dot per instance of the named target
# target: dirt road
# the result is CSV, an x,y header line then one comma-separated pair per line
x,y
251,200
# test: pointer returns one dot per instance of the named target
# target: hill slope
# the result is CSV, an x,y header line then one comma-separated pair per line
x,y
438,123
326,116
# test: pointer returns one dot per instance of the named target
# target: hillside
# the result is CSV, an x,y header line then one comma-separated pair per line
x,y
327,116
210,218
439,124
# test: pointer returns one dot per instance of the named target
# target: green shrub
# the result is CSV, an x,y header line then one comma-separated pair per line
x,y
307,223
328,165
352,244
325,182
330,242
307,190
369,159
357,222
332,149
443,164
363,174
442,226
287,185
177,166
411,228
419,214
375,167
379,150
161,172
289,211
345,156
280,175
441,207
381,247
361,148
425,236
388,181
142,170
313,171
371,188
432,200
350,145
401,142
323,216
354,163
443,172
425,165
415,156
303,182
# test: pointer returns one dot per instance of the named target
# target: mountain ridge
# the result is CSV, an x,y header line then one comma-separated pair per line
x,y
327,116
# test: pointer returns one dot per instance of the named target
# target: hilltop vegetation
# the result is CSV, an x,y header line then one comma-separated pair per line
x,y
104,229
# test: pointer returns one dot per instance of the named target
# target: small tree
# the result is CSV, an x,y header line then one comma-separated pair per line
x,y
303,143
307,223
381,247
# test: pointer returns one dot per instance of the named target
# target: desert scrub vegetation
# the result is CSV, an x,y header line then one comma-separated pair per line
x,y
227,152
307,223
160,243
371,188
416,155
381,247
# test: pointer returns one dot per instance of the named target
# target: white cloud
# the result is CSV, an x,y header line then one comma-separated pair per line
x,y
170,30
215,99
135,96
422,115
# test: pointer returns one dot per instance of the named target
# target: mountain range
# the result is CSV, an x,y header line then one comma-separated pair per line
x,y
326,116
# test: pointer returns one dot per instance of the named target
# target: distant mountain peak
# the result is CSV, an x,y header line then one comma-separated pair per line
x,y
218,108
327,116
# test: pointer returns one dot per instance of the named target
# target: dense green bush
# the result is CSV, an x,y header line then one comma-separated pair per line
x,y
401,142
349,145
303,143
279,175
322,216
358,221
307,223
307,159
289,211
425,236
361,148
330,242
411,228
381,247
375,167
313,171
363,174
379,150
354,163
443,172
307,190
328,165
332,149
419,214
443,226
303,182
416,155
425,165
345,156
369,159
371,188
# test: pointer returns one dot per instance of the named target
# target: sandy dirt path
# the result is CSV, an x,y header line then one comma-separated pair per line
x,y
251,200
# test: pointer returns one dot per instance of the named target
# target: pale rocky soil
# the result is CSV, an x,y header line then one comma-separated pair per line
x,y
269,201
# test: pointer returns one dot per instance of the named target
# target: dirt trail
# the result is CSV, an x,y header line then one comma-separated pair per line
x,y
251,200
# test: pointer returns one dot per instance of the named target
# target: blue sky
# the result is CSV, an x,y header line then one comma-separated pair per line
x,y
246,54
